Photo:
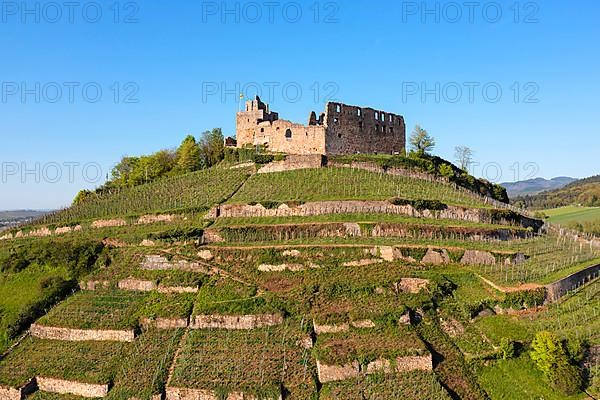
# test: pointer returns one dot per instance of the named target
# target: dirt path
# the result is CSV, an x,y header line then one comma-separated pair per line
x,y
510,289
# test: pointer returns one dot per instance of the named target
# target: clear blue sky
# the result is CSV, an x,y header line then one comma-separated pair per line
x,y
370,53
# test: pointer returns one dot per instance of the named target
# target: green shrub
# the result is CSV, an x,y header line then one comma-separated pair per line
x,y
420,205
263,158
524,298
507,348
549,355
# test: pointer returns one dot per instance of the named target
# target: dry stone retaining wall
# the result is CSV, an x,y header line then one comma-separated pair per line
x,y
235,322
9,393
165,323
81,335
60,386
331,373
161,263
173,393
475,215
137,285
560,288
321,230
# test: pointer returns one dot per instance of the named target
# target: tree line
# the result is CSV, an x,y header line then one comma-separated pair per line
x,y
191,155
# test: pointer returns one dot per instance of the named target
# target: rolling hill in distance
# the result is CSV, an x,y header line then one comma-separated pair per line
x,y
536,185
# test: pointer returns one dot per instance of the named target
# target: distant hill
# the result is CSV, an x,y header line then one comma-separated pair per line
x,y
535,186
584,192
15,217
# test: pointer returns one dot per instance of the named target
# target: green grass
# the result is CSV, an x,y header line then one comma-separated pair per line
x,y
366,345
19,292
255,362
226,296
416,385
518,379
565,215
88,362
145,365
345,184
97,310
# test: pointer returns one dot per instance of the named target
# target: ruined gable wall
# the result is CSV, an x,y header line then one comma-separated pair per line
x,y
353,129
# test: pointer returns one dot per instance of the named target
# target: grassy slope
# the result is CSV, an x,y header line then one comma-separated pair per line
x,y
345,184
196,191
566,215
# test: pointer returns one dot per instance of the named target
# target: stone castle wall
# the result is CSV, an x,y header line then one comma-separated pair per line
x,y
341,129
352,129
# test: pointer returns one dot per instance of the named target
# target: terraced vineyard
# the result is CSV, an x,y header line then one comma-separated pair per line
x,y
346,184
196,191
334,305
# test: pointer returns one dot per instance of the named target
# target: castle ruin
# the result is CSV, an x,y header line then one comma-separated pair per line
x,y
341,129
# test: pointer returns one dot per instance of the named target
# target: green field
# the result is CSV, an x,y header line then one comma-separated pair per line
x,y
567,215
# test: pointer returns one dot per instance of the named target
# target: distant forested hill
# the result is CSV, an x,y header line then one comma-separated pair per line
x,y
535,186
584,192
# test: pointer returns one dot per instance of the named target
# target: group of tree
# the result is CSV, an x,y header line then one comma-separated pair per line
x,y
421,146
422,143
192,155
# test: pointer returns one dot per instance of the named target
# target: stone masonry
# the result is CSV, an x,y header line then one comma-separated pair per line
x,y
341,129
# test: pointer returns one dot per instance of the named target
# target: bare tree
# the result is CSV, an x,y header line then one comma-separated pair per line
x,y
463,156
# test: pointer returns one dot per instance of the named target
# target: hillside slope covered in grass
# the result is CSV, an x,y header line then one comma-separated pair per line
x,y
331,305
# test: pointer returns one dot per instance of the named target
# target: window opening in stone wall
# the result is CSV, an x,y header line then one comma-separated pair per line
x,y
376,115
359,112
336,120
288,133
338,108
376,128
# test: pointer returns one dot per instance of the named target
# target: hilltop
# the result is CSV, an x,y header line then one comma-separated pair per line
x,y
534,186
277,276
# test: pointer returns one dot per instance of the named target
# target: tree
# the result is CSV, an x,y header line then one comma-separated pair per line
x,y
189,157
463,156
421,141
122,172
213,147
